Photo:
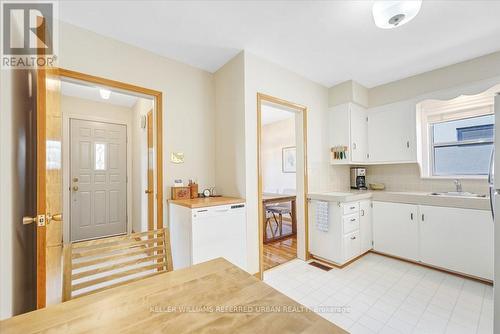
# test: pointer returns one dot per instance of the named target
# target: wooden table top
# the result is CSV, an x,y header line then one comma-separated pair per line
x,y
155,305
204,202
276,197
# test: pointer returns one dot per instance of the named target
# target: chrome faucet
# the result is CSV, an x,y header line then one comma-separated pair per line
x,y
458,185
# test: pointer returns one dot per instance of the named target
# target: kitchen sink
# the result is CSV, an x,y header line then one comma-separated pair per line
x,y
457,194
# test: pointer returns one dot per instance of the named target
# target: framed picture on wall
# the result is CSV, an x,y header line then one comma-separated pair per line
x,y
289,159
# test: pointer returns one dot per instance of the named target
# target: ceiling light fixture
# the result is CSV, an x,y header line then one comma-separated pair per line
x,y
390,14
105,93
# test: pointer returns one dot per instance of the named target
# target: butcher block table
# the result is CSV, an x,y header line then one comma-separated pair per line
x,y
211,297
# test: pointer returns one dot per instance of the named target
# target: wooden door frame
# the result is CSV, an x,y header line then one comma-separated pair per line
x,y
157,113
299,109
41,235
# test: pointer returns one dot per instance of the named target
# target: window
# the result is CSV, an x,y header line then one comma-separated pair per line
x,y
100,156
462,147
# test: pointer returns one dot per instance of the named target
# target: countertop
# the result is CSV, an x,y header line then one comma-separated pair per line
x,y
418,198
204,202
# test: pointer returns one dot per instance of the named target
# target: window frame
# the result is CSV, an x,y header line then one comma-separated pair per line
x,y
430,115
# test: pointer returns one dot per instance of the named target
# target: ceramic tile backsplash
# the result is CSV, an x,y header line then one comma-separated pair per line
x,y
406,177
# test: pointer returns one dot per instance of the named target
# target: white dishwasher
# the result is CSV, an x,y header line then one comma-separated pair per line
x,y
202,234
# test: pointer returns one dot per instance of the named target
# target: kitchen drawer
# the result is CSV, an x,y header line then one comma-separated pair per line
x,y
350,223
352,245
350,208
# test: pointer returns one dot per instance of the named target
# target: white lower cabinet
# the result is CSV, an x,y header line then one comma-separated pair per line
x,y
365,225
349,231
395,229
459,240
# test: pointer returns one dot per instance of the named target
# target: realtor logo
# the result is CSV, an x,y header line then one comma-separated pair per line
x,y
27,34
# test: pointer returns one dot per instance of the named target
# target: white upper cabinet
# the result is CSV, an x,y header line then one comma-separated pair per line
x,y
348,129
392,133
385,134
359,133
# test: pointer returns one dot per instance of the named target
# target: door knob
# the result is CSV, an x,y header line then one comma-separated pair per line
x,y
29,220
39,220
57,217
75,188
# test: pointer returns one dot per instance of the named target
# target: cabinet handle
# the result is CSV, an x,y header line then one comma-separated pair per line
x,y
352,208
353,219
354,146
411,216
423,217
362,213
352,238
408,144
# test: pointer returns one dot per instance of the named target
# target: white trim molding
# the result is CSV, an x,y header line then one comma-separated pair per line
x,y
432,111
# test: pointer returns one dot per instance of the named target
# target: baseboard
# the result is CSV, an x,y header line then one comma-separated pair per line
x,y
338,266
429,266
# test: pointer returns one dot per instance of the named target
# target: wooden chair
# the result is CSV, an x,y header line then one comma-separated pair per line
x,y
96,265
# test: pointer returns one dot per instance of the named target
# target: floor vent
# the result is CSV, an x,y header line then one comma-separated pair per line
x,y
320,266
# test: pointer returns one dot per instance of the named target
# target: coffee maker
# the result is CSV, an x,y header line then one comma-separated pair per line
x,y
358,178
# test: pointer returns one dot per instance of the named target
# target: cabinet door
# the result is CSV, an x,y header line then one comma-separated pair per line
x,y
457,239
365,225
338,130
352,245
359,133
395,229
392,133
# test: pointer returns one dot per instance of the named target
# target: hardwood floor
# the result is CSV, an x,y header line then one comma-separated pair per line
x,y
278,252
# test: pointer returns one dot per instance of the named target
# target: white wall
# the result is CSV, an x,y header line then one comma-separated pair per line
x,y
463,73
188,97
230,128
276,136
266,77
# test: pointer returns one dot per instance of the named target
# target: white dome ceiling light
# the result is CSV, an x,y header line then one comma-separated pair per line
x,y
390,14
105,93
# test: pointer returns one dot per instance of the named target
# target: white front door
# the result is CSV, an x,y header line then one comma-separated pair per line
x,y
98,154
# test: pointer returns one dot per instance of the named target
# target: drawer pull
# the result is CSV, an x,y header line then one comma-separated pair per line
x,y
352,238
353,219
352,207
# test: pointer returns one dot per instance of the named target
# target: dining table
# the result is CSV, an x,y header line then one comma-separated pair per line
x,y
211,297
269,199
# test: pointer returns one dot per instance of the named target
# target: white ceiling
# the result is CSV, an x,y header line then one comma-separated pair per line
x,y
271,114
92,93
326,41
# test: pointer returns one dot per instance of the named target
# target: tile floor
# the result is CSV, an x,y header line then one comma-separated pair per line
x,y
377,294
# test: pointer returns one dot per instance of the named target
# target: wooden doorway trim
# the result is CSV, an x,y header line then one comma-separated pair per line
x,y
157,112
150,190
41,126
41,231
302,110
